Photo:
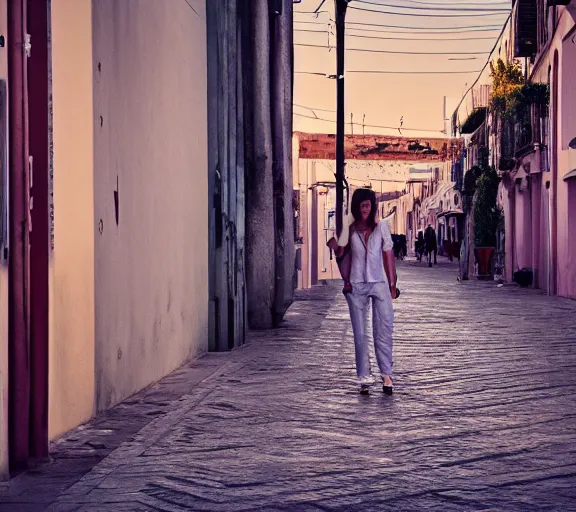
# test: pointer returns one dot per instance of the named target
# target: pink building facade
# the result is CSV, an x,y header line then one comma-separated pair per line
x,y
537,165
539,194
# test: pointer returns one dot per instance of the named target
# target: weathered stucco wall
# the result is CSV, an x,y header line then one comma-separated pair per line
x,y
151,188
71,370
321,146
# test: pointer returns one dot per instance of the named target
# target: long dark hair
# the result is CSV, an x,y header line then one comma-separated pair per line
x,y
360,195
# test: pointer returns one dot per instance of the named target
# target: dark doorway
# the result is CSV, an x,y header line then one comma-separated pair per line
x,y
29,148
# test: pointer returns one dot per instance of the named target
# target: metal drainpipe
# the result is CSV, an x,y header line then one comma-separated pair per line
x,y
19,255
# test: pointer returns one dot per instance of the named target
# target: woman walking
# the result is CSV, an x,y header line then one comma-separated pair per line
x,y
370,280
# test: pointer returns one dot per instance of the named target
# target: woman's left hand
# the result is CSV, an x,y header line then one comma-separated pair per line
x,y
393,291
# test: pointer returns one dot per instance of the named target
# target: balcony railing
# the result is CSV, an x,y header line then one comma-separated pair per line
x,y
520,133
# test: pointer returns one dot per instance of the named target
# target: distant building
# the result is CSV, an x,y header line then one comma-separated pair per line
x,y
403,173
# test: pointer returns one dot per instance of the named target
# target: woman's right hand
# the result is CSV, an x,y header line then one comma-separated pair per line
x,y
332,244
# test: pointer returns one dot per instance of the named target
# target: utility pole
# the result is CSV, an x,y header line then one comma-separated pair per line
x,y
340,11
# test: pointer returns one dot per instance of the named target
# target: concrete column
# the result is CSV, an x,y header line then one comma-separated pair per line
x,y
260,233
282,166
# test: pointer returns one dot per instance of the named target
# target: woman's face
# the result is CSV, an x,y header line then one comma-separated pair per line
x,y
365,209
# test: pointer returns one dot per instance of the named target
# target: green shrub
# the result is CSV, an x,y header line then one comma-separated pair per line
x,y
486,212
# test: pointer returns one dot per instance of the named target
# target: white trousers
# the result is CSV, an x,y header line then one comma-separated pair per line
x,y
378,295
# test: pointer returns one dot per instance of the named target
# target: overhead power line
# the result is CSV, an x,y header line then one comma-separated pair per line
x,y
369,50
370,125
422,39
313,109
458,9
501,2
436,30
425,32
460,3
485,65
470,28
316,13
426,15
390,72
381,38
323,23
384,72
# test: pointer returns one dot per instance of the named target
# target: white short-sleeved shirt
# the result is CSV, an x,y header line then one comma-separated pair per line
x,y
367,261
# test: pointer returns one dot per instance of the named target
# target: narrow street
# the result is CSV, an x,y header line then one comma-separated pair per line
x,y
483,417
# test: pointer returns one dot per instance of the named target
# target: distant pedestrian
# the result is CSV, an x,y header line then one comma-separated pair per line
x,y
371,282
419,246
399,246
431,244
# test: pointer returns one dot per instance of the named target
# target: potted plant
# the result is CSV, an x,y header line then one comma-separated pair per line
x,y
486,217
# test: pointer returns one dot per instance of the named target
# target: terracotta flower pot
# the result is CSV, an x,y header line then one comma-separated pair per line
x,y
484,260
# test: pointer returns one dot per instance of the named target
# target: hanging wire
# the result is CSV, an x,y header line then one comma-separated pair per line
x,y
319,6
485,65
313,109
439,30
458,9
382,38
411,31
501,2
485,38
369,50
426,15
383,72
392,72
370,125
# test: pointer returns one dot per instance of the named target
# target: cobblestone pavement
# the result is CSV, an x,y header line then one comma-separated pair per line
x,y
483,417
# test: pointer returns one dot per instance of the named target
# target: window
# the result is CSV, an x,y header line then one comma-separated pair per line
x,y
331,221
525,28
542,23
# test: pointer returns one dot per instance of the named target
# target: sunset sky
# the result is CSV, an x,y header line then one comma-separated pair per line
x,y
433,27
